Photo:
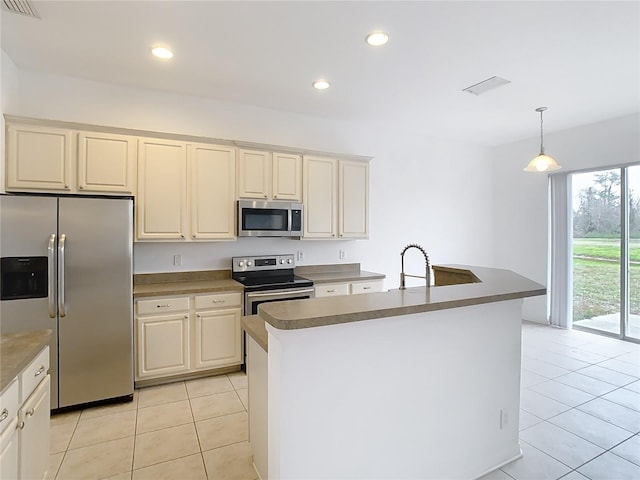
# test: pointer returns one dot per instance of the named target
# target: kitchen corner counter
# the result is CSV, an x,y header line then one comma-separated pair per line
x,y
17,350
495,285
255,328
154,284
349,272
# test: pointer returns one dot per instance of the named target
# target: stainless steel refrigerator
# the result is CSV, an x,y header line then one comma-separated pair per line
x,y
67,266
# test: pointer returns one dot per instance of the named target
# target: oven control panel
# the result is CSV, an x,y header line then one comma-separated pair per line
x,y
266,262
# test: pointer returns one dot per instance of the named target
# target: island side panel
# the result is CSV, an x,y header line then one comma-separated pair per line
x,y
415,396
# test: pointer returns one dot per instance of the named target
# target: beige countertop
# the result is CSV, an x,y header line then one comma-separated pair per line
x,y
336,273
254,326
17,350
184,283
495,285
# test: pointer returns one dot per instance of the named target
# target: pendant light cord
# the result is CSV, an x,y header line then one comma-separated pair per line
x,y
541,135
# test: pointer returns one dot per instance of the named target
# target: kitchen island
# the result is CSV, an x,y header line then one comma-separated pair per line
x,y
415,383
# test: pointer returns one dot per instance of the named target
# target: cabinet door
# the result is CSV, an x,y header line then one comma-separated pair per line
x,y
106,163
320,181
218,338
163,345
34,435
253,174
212,175
161,212
354,200
287,177
9,450
39,158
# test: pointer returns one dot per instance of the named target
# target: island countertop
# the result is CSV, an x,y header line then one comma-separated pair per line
x,y
17,350
495,285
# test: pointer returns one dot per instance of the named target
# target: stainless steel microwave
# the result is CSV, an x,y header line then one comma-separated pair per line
x,y
259,218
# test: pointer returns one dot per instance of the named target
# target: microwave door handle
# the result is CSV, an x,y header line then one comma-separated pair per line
x,y
61,246
51,280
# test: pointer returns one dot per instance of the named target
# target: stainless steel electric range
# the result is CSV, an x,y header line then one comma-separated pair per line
x,y
269,278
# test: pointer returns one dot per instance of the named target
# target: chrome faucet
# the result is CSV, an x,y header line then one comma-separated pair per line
x,y
427,275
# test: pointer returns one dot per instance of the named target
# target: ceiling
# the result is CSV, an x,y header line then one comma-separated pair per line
x,y
580,59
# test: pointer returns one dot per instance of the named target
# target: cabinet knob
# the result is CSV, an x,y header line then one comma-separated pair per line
x,y
4,414
20,426
80,187
265,196
181,236
66,187
30,412
40,371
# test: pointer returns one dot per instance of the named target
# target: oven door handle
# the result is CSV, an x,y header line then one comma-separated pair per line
x,y
274,294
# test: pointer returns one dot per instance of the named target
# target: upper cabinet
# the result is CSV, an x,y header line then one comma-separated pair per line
x,y
106,162
38,158
269,175
336,198
185,192
161,210
212,175
42,158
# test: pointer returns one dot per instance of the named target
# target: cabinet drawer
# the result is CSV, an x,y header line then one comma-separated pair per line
x,y
366,287
161,305
219,300
332,290
34,373
9,404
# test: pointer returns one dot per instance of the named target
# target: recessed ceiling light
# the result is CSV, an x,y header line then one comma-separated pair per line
x,y
321,84
162,52
377,39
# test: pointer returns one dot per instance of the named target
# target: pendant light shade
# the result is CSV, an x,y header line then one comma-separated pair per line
x,y
542,163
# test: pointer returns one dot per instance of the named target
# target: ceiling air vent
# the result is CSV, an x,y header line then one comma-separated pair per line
x,y
21,7
486,85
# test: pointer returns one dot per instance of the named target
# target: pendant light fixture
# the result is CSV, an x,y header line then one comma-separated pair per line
x,y
542,163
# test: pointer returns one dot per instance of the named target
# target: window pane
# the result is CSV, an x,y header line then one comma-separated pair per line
x,y
633,322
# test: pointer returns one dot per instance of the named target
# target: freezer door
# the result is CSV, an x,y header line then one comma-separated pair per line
x,y
96,331
26,226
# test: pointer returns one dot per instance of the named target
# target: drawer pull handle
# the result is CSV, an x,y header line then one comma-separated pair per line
x,y
218,301
40,371
164,305
333,290
30,412
366,288
20,425
4,415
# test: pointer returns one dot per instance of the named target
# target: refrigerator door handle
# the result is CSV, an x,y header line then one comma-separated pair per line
x,y
51,292
61,307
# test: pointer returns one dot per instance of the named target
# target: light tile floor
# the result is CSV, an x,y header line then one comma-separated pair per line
x,y
195,429
580,407
580,418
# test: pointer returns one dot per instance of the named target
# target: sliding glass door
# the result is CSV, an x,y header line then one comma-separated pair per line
x,y
606,251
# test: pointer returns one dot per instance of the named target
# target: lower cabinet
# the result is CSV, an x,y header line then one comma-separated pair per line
x,y
24,423
34,433
193,333
348,288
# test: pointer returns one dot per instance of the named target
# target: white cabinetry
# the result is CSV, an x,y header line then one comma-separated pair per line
x,y
218,335
336,198
348,288
263,175
106,163
320,197
162,337
212,173
193,333
185,192
24,422
38,158
50,159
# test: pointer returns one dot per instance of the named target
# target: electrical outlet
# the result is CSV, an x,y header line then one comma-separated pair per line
x,y
299,256
504,418
343,254
177,260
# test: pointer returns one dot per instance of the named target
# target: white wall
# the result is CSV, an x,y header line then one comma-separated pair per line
x,y
430,192
520,201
